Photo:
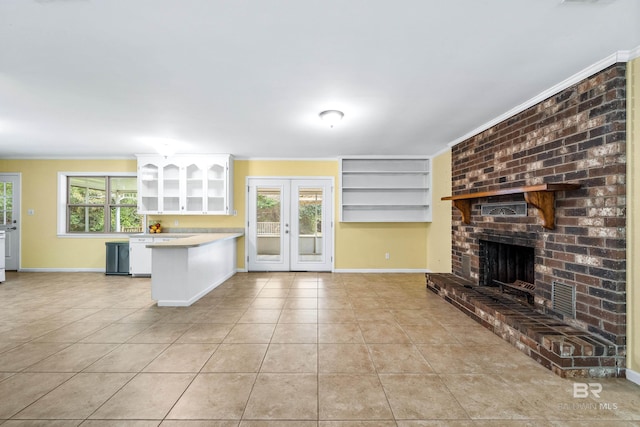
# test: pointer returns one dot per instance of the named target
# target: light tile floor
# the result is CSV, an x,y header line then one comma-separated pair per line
x,y
272,349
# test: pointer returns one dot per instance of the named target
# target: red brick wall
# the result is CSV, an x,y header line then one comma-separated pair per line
x,y
576,136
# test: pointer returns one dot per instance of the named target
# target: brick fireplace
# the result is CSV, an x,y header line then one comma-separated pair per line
x,y
576,136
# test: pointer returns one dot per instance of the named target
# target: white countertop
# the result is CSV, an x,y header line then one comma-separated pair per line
x,y
193,240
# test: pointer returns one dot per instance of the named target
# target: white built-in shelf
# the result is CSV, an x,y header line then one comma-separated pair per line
x,y
385,189
185,184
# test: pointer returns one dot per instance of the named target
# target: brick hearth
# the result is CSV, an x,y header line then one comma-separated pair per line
x,y
567,351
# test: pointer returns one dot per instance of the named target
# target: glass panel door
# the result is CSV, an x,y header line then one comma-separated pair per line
x,y
216,188
289,225
195,189
310,244
148,188
170,188
9,219
268,235
309,224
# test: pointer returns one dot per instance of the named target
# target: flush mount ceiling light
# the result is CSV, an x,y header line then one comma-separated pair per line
x,y
331,116
166,147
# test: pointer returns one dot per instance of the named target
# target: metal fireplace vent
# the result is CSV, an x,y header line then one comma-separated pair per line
x,y
563,299
504,209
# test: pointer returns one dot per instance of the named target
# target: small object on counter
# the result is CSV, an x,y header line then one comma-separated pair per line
x,y
155,228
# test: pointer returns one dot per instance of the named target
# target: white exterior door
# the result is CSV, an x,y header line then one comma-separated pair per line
x,y
290,224
10,218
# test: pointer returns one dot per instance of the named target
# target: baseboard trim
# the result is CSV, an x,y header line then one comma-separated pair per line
x,y
85,270
632,376
190,301
381,270
61,270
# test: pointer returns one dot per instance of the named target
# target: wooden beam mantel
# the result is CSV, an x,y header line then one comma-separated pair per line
x,y
541,196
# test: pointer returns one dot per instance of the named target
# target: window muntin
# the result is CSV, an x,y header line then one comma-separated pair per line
x,y
102,204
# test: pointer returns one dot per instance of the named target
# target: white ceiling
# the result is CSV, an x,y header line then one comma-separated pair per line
x,y
100,78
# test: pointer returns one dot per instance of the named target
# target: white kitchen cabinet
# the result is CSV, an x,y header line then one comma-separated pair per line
x,y
185,184
140,255
385,189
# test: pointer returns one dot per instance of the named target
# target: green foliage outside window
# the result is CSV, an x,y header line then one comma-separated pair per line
x,y
89,210
310,212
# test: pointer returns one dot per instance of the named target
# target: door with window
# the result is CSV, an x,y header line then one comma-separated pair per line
x,y
290,224
10,218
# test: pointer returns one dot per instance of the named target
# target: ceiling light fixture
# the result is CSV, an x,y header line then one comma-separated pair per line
x,y
166,147
331,116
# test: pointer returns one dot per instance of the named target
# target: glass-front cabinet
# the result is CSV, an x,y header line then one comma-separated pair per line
x,y
185,184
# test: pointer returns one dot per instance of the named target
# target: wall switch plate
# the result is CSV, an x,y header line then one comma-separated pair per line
x,y
31,212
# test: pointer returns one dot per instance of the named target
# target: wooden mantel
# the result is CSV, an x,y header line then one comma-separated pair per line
x,y
541,196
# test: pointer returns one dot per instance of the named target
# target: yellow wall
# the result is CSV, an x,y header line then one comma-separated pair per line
x,y
40,245
357,246
633,216
439,236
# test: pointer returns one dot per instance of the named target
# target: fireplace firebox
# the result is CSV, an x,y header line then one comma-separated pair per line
x,y
507,265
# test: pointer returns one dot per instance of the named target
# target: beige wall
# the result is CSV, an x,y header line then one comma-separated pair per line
x,y
40,245
357,246
633,215
439,233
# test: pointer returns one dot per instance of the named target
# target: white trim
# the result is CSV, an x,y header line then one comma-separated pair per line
x,y
620,56
288,177
387,157
382,270
68,158
287,159
634,53
123,236
62,270
632,376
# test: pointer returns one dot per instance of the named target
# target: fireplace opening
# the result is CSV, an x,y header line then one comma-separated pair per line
x,y
508,266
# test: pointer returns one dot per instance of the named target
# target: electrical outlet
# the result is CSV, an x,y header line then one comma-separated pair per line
x,y
31,212
176,223
386,255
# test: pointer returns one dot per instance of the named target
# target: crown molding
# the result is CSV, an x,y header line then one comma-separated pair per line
x,y
620,56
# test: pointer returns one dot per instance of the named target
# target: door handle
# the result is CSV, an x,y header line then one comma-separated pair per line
x,y
12,228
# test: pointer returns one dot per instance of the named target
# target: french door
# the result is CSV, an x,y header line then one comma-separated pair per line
x,y
290,224
9,218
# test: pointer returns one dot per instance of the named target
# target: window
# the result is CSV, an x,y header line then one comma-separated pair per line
x,y
99,204
6,203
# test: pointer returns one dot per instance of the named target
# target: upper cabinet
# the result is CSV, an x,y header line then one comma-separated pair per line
x,y
185,184
385,189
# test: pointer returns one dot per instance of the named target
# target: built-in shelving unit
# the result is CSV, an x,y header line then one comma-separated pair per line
x,y
385,189
541,196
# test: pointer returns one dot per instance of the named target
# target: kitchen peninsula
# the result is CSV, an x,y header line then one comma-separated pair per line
x,y
187,268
